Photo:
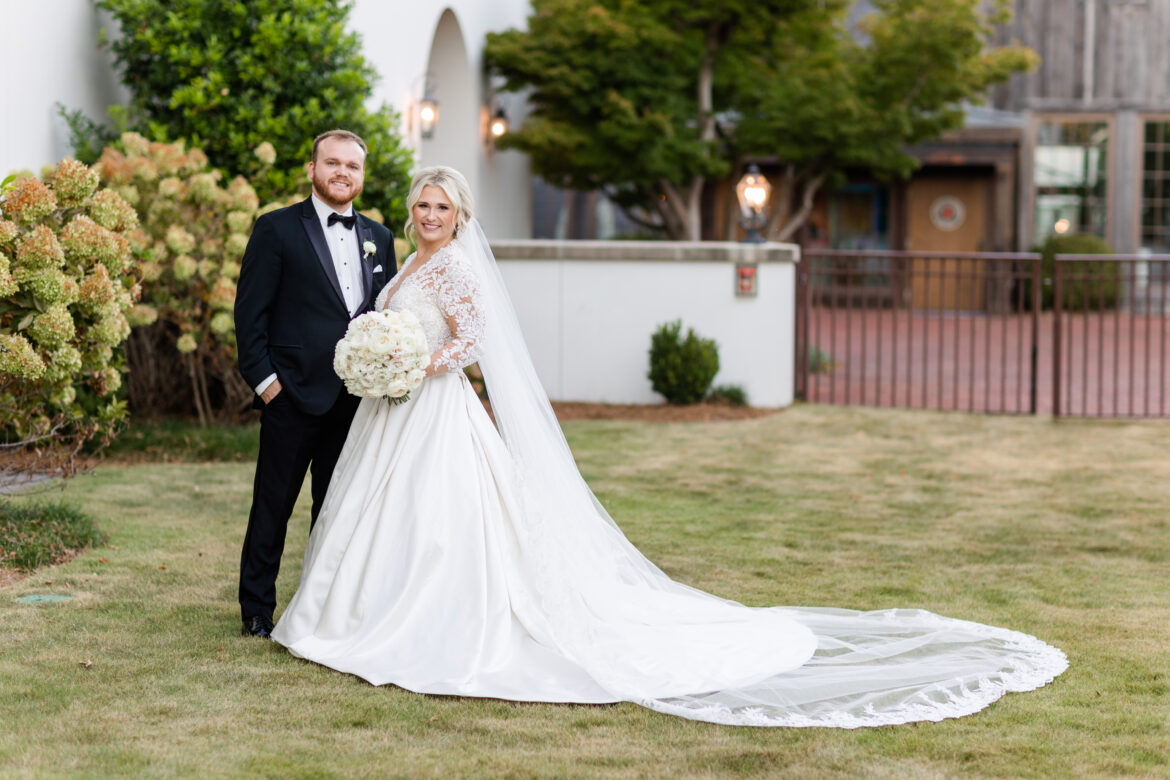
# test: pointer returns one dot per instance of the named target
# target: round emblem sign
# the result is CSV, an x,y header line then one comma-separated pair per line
x,y
947,213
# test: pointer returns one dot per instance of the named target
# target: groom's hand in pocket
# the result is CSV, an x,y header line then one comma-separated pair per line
x,y
270,392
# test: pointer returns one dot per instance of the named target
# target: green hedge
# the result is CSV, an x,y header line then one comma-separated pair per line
x,y
41,533
1099,291
229,75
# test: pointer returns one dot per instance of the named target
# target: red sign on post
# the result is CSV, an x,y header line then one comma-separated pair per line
x,y
746,280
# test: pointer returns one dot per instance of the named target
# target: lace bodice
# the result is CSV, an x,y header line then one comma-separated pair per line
x,y
442,293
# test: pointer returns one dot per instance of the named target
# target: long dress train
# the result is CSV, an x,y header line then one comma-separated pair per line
x,y
450,560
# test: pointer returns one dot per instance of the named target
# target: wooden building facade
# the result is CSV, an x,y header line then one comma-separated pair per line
x,y
1095,154
1081,144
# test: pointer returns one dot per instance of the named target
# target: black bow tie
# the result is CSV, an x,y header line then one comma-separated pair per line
x,y
346,221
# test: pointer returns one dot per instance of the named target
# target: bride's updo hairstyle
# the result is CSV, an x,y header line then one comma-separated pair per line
x,y
449,181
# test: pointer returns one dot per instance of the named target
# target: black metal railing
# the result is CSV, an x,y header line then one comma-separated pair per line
x,y
919,330
986,332
1110,340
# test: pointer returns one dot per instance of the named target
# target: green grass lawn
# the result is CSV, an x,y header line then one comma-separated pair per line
x,y
1056,529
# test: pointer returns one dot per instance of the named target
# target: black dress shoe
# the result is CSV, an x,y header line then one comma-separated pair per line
x,y
258,626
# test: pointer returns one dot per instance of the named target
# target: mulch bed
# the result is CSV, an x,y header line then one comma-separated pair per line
x,y
663,413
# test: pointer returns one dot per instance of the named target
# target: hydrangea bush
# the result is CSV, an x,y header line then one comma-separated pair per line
x,y
67,300
194,228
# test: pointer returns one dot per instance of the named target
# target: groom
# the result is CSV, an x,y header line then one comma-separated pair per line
x,y
308,270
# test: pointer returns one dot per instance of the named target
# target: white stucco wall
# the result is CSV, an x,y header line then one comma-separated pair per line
x,y
405,41
588,310
50,55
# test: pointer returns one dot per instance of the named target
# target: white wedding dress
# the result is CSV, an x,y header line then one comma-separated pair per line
x,y
452,558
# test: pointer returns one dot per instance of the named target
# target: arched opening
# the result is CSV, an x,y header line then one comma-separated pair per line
x,y
455,140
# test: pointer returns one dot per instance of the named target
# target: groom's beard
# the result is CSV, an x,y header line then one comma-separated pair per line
x,y
322,190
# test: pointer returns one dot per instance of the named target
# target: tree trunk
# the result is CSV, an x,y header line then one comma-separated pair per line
x,y
694,223
201,391
675,212
706,106
237,395
681,209
189,359
786,220
783,195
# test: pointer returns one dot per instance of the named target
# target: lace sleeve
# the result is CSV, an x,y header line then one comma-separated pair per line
x,y
457,290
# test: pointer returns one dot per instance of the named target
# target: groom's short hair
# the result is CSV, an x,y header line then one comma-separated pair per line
x,y
344,135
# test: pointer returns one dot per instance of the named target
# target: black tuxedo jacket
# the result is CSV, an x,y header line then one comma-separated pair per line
x,y
290,312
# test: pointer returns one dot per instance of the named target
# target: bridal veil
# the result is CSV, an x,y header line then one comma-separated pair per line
x,y
585,591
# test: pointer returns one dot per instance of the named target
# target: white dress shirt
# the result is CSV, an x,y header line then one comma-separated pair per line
x,y
345,249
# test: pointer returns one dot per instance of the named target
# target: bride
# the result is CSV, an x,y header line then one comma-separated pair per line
x,y
454,557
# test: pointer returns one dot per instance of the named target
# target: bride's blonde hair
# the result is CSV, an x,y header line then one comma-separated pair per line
x,y
449,181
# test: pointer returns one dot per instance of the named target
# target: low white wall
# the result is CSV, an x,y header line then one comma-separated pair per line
x,y
588,309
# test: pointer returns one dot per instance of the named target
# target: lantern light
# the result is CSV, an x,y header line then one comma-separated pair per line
x,y
753,191
498,124
428,115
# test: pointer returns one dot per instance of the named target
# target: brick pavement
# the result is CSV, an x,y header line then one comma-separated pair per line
x,y
1115,363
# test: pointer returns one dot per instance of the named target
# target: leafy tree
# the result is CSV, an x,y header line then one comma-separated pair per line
x,y
228,75
647,101
820,98
622,98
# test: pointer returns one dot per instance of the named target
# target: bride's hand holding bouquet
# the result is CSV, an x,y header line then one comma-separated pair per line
x,y
382,355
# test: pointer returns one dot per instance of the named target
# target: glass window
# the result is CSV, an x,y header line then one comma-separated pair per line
x,y
859,219
1070,174
1156,187
1155,132
570,214
859,216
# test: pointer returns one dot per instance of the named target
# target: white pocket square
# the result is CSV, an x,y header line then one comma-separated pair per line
x,y
377,268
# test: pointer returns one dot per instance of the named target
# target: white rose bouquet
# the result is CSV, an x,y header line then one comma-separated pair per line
x,y
382,355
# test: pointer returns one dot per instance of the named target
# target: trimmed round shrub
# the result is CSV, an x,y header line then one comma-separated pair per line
x,y
682,369
1100,287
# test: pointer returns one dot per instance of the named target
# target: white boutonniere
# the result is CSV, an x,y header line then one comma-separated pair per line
x,y
369,248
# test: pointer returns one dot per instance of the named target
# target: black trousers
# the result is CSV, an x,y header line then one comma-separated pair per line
x,y
291,442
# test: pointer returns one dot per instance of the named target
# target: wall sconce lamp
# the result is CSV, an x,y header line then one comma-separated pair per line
x,y
752,191
428,114
498,124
